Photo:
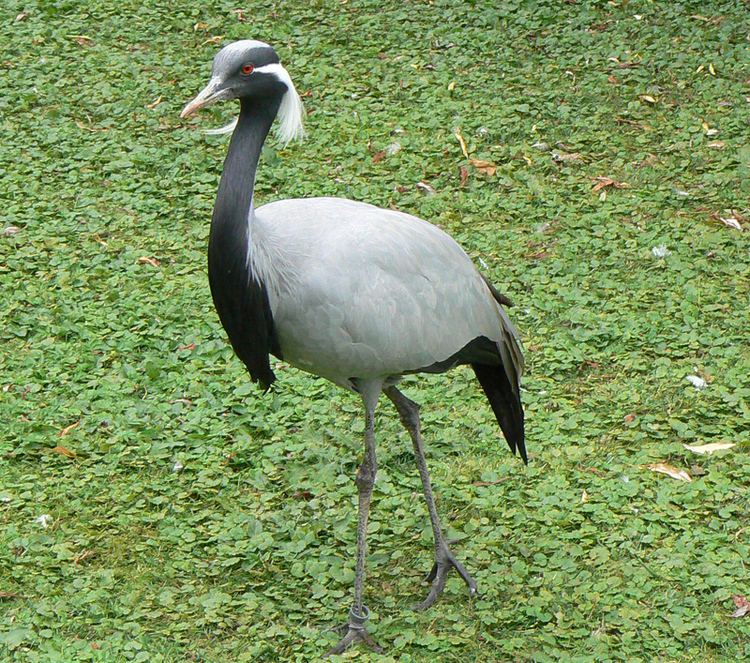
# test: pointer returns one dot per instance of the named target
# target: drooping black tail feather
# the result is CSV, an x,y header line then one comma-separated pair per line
x,y
505,401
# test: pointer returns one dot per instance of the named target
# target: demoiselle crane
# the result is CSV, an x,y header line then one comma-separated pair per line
x,y
347,291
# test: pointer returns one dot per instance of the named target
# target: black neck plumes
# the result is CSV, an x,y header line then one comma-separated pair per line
x,y
240,297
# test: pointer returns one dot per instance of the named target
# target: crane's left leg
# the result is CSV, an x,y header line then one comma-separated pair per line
x,y
359,614
408,412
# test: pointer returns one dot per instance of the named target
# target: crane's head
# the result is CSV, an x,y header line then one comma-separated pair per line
x,y
249,69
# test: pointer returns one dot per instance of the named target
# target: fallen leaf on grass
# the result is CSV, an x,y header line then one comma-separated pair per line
x,y
669,470
565,157
64,452
730,222
154,104
709,448
67,429
647,98
84,555
461,142
145,260
378,156
464,175
743,607
486,167
9,595
730,218
81,40
481,484
716,144
425,188
602,182
584,497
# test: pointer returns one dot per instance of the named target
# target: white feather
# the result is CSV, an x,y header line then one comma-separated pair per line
x,y
291,111
226,129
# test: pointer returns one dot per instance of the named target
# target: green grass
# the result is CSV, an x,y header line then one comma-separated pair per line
x,y
247,553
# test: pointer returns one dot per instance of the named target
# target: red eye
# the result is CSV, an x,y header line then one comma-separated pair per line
x,y
247,69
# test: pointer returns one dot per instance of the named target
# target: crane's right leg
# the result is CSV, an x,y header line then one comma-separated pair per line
x,y
359,614
408,411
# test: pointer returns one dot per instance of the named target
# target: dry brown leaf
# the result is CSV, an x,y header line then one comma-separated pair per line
x,y
481,484
213,40
584,496
602,182
378,156
8,595
153,104
566,156
81,40
461,142
64,452
200,26
486,167
11,230
671,471
189,346
730,222
145,260
67,429
629,418
240,15
84,555
743,606
647,98
716,144
709,448
463,172
613,80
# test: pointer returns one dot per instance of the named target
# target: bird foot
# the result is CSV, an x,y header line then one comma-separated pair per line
x,y
444,561
355,632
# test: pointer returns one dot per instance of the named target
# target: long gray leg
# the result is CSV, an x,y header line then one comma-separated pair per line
x,y
408,412
359,614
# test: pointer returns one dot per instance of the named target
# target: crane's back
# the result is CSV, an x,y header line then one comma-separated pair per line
x,y
360,291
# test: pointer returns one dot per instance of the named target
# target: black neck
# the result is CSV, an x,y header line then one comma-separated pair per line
x,y
240,296
234,200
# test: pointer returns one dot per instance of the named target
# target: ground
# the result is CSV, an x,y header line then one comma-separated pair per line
x,y
591,157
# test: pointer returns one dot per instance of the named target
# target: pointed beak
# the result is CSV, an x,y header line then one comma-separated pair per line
x,y
212,92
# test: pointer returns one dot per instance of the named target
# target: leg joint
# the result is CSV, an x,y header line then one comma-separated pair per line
x,y
366,475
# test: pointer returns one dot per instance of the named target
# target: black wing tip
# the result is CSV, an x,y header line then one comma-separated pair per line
x,y
522,452
500,298
506,405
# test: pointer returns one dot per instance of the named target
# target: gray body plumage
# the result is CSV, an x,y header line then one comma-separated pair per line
x,y
357,291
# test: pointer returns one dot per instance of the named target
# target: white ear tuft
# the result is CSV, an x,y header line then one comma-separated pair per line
x,y
226,129
291,110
